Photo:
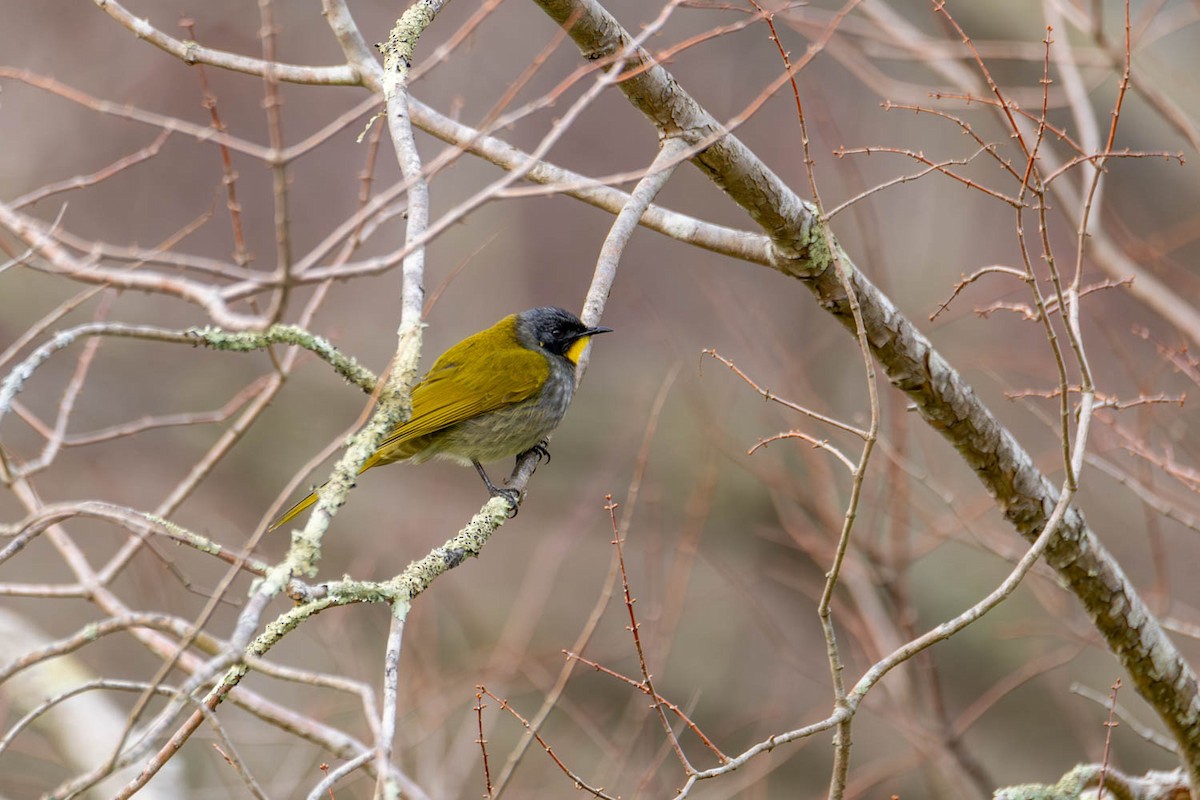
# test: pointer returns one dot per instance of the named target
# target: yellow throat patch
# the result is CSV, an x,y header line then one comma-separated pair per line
x,y
576,349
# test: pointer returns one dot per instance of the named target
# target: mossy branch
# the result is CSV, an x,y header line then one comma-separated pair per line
x,y
248,341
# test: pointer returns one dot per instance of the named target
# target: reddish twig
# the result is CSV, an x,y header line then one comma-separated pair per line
x,y
642,687
579,782
481,741
1112,704
768,395
209,102
611,507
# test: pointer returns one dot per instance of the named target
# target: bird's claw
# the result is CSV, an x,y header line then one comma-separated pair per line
x,y
513,496
542,450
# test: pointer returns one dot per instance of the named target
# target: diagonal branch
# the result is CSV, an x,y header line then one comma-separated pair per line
x,y
942,397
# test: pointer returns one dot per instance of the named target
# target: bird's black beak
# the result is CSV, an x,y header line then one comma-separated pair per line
x,y
576,343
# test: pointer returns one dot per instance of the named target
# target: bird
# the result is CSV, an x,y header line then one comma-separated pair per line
x,y
497,393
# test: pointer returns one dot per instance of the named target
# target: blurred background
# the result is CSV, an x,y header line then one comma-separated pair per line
x,y
726,551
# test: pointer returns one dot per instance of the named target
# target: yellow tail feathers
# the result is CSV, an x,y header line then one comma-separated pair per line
x,y
294,511
312,497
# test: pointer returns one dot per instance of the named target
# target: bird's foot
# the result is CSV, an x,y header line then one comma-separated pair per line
x,y
542,449
513,496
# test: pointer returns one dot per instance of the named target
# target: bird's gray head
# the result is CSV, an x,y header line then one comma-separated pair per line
x,y
555,330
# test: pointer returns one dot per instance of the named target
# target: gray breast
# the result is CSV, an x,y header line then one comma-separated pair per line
x,y
513,430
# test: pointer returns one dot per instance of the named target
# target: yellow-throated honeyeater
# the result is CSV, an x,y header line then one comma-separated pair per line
x,y
495,394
